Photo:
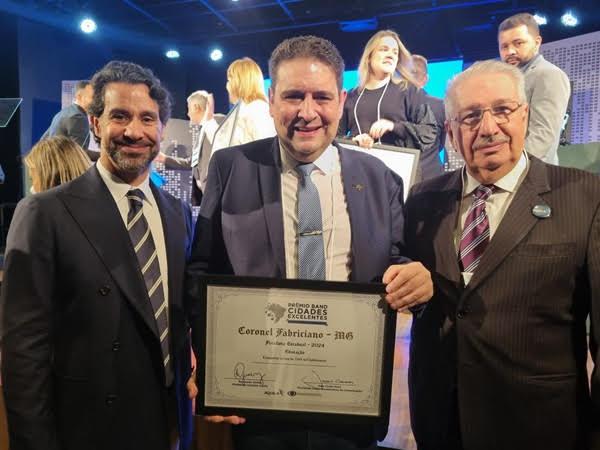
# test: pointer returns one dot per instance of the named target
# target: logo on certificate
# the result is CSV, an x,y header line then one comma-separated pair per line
x,y
274,312
307,313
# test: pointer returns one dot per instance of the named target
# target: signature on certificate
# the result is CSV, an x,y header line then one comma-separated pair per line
x,y
240,374
316,381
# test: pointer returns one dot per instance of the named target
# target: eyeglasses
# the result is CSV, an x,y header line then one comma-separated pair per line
x,y
501,114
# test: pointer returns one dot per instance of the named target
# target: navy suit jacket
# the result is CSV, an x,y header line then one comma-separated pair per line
x,y
81,356
240,227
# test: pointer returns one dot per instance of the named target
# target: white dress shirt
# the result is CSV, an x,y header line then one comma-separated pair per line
x,y
327,178
497,203
118,189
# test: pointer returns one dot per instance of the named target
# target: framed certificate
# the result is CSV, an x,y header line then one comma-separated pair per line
x,y
296,348
404,161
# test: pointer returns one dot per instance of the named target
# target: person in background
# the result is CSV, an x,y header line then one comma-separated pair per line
x,y
203,126
547,87
249,119
387,107
498,356
73,121
53,161
421,74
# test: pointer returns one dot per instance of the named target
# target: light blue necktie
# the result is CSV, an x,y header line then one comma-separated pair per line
x,y
311,254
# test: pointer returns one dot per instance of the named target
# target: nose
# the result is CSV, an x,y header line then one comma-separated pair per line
x,y
307,109
511,50
488,126
134,129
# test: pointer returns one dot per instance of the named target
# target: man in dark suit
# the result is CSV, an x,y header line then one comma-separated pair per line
x,y
95,347
498,357
72,121
434,166
248,222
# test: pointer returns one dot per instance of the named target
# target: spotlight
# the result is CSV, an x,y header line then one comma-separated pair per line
x,y
216,54
569,19
172,54
87,25
540,19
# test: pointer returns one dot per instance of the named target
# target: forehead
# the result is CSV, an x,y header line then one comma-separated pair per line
x,y
306,74
520,32
387,41
485,89
128,96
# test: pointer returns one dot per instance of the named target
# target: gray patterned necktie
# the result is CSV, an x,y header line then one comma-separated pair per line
x,y
311,254
147,256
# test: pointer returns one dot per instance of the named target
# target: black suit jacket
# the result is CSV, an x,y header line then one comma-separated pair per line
x,y
503,360
81,359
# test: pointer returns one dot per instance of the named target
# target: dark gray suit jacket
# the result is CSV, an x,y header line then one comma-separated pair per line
x,y
504,359
81,357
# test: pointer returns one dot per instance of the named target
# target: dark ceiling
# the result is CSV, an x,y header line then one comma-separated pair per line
x,y
439,29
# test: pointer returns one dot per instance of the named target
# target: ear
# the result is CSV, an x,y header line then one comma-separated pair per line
x,y
450,135
271,94
95,126
538,41
343,95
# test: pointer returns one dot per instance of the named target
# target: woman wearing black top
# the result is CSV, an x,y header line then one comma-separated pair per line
x,y
387,107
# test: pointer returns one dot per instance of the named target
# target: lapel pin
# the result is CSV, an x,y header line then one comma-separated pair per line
x,y
541,211
359,187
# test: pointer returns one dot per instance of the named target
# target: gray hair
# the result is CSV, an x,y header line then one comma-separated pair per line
x,y
488,67
199,98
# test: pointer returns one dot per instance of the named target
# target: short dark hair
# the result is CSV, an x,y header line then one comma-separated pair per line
x,y
127,72
520,19
81,85
307,47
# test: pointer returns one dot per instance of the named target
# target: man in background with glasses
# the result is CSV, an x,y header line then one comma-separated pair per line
x,y
498,357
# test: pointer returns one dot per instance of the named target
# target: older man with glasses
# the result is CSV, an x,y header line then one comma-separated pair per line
x,y
498,357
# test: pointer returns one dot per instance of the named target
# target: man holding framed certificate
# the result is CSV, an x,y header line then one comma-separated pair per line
x,y
299,206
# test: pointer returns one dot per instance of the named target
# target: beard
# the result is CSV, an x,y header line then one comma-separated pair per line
x,y
127,163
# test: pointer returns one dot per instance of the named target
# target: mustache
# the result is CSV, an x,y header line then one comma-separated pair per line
x,y
488,141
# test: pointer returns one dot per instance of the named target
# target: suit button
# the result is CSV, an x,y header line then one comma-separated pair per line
x,y
116,346
110,399
104,290
461,313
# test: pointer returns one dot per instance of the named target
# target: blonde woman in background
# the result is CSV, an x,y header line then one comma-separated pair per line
x,y
53,161
387,107
249,120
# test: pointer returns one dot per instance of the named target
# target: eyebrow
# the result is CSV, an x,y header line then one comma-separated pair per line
x,y
494,103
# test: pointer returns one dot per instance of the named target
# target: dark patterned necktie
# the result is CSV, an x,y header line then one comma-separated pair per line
x,y
476,232
311,255
147,256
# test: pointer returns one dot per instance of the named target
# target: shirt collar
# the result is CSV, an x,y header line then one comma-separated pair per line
x,y
118,188
507,183
326,163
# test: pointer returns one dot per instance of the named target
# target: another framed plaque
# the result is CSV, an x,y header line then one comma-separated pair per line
x,y
404,161
296,349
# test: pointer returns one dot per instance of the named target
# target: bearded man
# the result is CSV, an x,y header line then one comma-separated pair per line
x,y
95,348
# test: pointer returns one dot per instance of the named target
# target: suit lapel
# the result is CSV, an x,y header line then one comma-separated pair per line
x,y
449,206
516,223
91,205
269,178
352,178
